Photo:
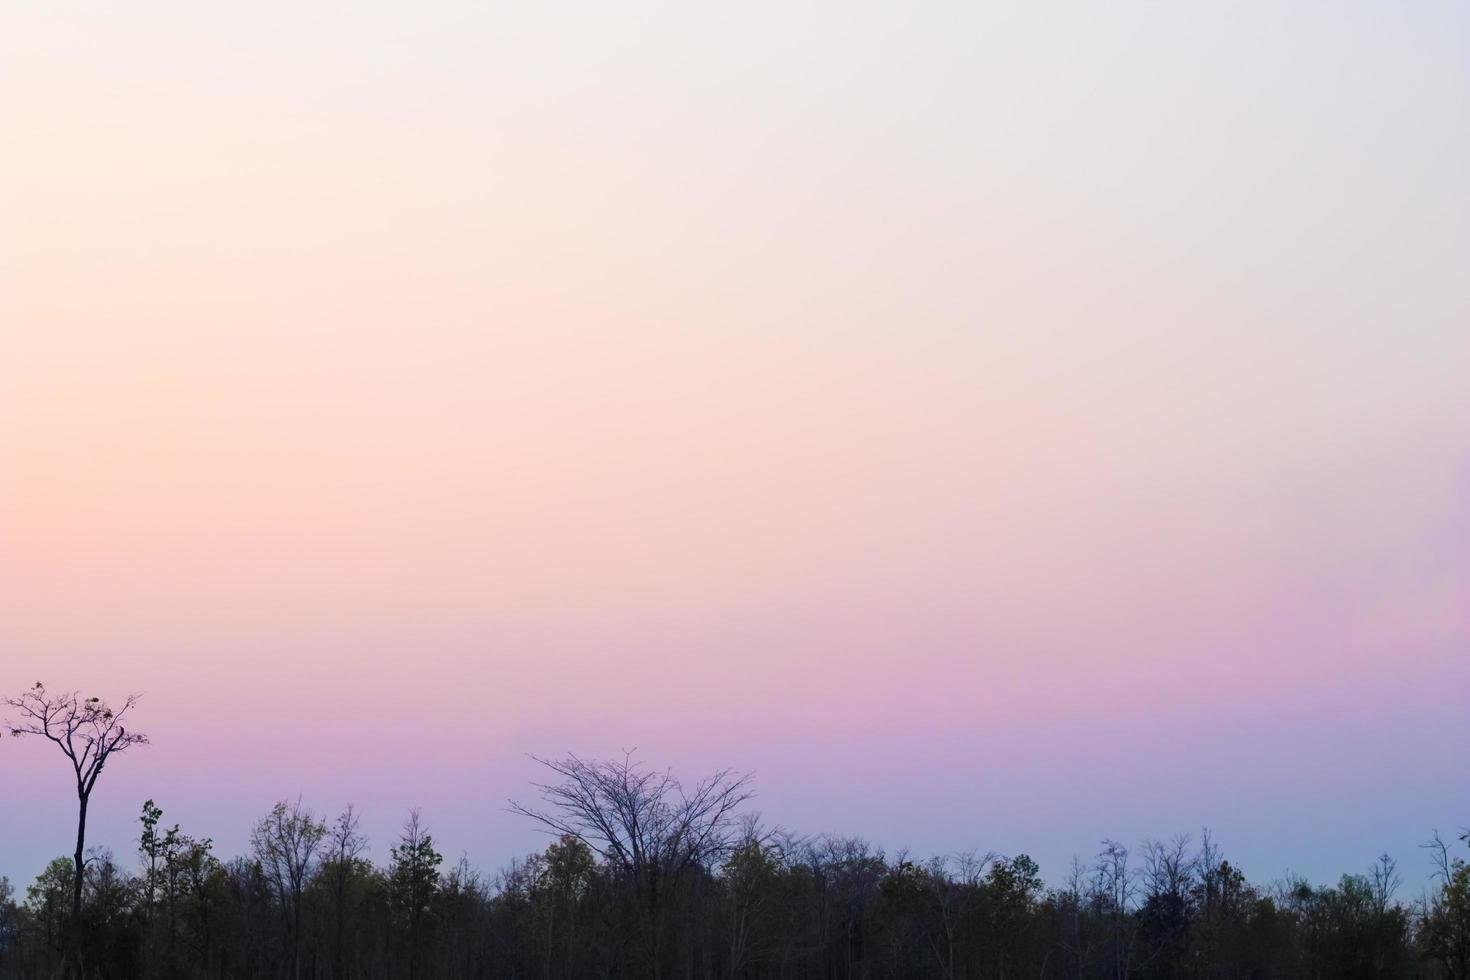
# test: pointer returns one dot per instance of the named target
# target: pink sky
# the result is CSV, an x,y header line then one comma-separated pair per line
x,y
997,429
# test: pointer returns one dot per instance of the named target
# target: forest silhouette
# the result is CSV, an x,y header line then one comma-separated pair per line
x,y
647,876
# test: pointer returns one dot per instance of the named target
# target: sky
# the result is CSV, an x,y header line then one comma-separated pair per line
x,y
996,426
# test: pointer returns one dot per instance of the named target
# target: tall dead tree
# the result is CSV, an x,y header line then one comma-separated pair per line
x,y
89,732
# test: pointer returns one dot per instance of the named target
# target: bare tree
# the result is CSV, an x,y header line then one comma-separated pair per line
x,y
1115,885
1168,868
1385,880
1445,919
1439,853
88,732
1074,941
951,896
750,871
643,822
286,843
640,820
1167,911
345,845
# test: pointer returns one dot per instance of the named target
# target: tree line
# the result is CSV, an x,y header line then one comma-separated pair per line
x,y
646,876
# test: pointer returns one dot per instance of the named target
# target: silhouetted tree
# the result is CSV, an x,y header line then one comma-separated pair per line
x,y
1445,931
413,883
150,847
8,922
1114,888
560,883
344,848
645,824
750,875
286,843
89,733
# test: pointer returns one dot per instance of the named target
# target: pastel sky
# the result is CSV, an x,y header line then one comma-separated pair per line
x,y
998,426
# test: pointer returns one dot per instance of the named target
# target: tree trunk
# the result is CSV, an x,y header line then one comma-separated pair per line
x,y
337,972
413,942
75,969
296,937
